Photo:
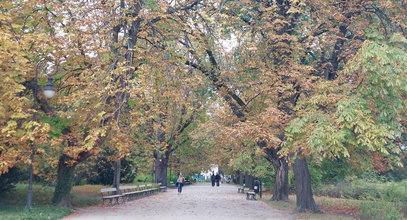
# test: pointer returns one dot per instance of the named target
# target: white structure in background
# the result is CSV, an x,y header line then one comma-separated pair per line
x,y
207,174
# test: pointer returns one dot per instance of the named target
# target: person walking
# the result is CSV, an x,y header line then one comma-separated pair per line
x,y
213,179
217,179
180,182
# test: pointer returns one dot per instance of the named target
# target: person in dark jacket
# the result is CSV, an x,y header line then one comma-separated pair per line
x,y
213,179
217,179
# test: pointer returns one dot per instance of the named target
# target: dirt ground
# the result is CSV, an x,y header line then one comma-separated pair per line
x,y
197,201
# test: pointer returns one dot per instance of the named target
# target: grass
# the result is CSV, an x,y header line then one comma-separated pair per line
x,y
322,202
323,216
37,212
364,190
12,204
348,207
290,206
333,208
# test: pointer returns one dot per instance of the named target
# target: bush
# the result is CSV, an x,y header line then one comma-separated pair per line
x,y
360,189
143,178
8,180
101,171
379,211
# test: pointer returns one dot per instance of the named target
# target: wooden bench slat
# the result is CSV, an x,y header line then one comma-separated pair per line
x,y
128,192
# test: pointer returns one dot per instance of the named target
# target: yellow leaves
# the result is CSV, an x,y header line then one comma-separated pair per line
x,y
20,115
345,153
207,17
10,129
91,139
259,152
99,116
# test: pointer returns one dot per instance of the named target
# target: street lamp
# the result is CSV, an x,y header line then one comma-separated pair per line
x,y
49,90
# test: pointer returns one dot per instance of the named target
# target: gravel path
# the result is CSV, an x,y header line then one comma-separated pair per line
x,y
198,201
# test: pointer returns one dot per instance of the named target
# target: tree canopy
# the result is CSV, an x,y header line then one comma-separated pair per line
x,y
249,85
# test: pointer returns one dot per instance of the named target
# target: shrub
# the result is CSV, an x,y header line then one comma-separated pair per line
x,y
101,171
379,211
359,189
394,192
8,180
143,178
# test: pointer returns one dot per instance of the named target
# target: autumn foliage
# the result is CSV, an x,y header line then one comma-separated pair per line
x,y
284,80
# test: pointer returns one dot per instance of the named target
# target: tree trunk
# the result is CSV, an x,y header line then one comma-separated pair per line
x,y
305,200
241,178
160,167
63,188
116,176
281,173
281,181
249,181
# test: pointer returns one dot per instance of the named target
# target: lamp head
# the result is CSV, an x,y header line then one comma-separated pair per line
x,y
49,90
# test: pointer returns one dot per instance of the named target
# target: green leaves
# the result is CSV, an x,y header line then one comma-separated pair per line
x,y
367,116
57,124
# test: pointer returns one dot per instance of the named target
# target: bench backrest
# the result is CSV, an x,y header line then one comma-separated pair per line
x,y
108,190
125,188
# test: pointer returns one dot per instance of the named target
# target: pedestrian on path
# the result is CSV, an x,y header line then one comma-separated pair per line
x,y
217,179
213,179
180,182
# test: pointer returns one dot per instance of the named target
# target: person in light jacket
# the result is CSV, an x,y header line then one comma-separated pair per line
x,y
180,182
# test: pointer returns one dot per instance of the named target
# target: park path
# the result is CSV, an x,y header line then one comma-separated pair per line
x,y
197,201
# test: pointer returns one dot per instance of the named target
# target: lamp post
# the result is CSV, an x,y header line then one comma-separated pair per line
x,y
160,168
49,92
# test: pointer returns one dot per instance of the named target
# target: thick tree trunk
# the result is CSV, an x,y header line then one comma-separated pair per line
x,y
160,166
249,181
63,188
305,200
281,173
281,181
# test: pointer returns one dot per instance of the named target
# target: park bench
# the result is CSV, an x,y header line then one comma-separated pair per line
x,y
144,189
162,188
110,194
151,189
240,189
130,192
147,189
250,195
127,192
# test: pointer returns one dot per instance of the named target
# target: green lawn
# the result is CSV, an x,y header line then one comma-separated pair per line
x,y
334,208
37,212
290,206
12,205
